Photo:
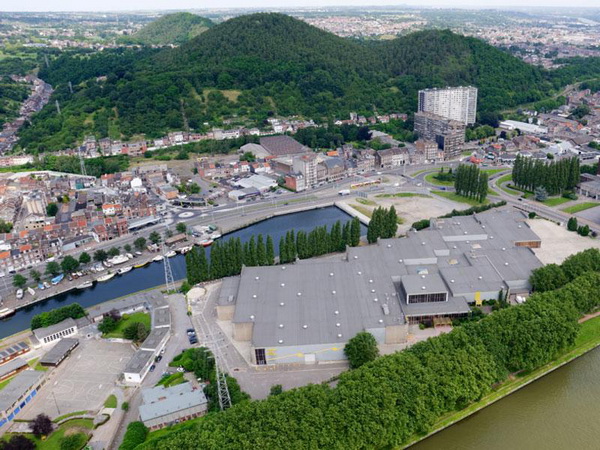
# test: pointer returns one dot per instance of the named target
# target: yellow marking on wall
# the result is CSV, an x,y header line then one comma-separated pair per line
x,y
478,301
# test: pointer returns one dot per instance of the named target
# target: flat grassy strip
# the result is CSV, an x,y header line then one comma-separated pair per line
x,y
580,207
459,198
587,339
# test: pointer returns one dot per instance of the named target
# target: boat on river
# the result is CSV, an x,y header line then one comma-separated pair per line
x,y
119,259
206,242
123,270
85,285
171,254
6,312
41,286
31,291
157,258
106,277
184,250
140,265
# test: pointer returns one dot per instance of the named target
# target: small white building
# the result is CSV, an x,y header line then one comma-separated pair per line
x,y
163,406
511,125
54,333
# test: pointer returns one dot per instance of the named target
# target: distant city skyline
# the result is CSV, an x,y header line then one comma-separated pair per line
x,y
149,5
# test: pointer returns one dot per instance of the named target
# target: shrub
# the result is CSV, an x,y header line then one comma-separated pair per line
x,y
361,349
73,442
135,435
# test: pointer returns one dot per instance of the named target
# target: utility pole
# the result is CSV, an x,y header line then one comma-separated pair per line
x,y
82,164
57,107
71,87
46,59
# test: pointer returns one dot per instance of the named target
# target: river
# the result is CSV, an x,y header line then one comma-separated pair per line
x,y
153,274
559,411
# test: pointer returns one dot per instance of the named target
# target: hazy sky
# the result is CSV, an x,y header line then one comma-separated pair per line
x,y
130,5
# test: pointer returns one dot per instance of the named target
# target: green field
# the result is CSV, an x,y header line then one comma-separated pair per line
x,y
418,172
587,339
491,172
4,383
459,198
172,380
111,402
36,366
580,207
402,194
53,442
365,201
430,179
127,320
555,201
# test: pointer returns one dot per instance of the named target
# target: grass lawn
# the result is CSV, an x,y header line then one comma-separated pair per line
x,y
111,402
365,201
35,365
127,320
4,383
587,339
555,201
418,172
430,179
53,442
402,194
459,198
580,207
491,172
64,416
172,380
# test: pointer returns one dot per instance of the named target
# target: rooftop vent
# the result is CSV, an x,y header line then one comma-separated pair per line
x,y
280,325
333,292
338,324
359,272
375,299
370,281
503,249
373,291
282,267
451,281
454,247
386,309
491,237
330,274
380,321
422,243
257,278
466,232
282,304
282,284
340,335
422,276
254,296
480,277
299,294
305,326
506,264
252,317
389,246
336,312
423,288
280,341
355,257
400,261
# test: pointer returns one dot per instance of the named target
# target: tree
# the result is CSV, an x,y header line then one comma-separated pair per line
x,y
107,325
52,209
583,230
85,258
35,275
52,268
125,406
134,436
361,349
18,442
69,264
113,251
100,255
140,243
541,195
19,281
181,227
127,248
276,389
270,251
41,425
261,251
135,331
572,224
154,237
355,232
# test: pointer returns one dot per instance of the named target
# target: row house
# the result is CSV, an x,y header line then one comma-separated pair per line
x,y
111,209
392,157
331,169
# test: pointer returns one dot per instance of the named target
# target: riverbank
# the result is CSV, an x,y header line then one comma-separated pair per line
x,y
587,340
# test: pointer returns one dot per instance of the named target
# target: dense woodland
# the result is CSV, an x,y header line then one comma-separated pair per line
x,y
387,402
256,66
12,94
170,29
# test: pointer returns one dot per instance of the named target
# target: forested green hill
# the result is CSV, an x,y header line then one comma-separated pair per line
x,y
259,65
171,29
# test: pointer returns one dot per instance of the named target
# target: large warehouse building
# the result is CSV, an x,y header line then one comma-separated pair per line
x,y
306,312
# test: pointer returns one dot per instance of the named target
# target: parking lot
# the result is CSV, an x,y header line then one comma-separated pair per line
x,y
83,381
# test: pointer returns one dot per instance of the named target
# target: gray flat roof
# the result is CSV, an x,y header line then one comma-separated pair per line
x,y
41,333
120,304
154,338
161,317
229,290
18,386
57,353
160,401
11,366
423,284
138,361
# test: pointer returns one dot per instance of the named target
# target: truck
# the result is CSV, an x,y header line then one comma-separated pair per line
x,y
344,192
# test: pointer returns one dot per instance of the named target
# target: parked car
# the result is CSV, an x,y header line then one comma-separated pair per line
x,y
152,367
158,358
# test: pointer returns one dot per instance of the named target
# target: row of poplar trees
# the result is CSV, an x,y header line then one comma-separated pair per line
x,y
228,257
554,176
383,224
470,181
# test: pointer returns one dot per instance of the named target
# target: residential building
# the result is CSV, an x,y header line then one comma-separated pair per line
x,y
429,150
307,166
448,134
454,103
392,157
53,333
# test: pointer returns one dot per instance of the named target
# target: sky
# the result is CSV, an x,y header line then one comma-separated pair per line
x,y
132,5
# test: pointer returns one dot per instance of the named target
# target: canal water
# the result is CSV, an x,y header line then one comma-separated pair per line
x,y
559,411
153,274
